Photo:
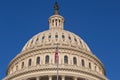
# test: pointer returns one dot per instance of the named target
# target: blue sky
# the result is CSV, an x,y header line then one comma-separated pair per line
x,y
97,22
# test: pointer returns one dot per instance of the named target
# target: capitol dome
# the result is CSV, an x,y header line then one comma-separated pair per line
x,y
36,61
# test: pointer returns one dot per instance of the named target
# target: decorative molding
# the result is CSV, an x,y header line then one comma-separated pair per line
x,y
53,68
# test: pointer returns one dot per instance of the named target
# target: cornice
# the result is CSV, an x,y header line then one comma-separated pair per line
x,y
53,68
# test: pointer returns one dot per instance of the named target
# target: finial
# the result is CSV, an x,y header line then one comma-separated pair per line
x,y
56,8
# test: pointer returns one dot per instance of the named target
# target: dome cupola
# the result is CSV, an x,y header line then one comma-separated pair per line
x,y
56,21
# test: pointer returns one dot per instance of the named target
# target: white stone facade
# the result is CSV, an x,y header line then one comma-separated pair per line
x,y
36,61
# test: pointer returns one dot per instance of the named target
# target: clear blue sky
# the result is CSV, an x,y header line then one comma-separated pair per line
x,y
97,22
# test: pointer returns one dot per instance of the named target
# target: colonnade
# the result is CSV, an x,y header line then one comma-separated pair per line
x,y
54,78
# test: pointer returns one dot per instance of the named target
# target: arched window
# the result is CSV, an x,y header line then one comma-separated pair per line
x,y
38,60
66,59
22,66
83,63
90,65
47,59
30,62
74,60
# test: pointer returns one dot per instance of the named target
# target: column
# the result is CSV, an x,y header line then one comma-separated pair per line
x,y
37,78
50,77
75,78
63,77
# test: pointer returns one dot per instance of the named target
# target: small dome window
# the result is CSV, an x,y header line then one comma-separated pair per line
x,y
69,38
49,36
75,39
43,37
80,42
56,36
63,36
37,39
31,41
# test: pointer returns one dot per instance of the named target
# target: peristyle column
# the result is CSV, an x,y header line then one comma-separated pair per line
x,y
63,77
37,78
50,77
75,78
